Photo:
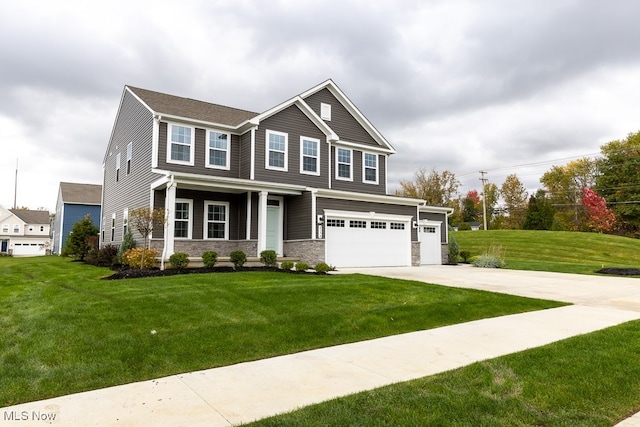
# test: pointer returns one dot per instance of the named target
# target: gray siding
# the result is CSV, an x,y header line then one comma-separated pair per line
x,y
357,206
200,155
433,216
244,157
356,185
342,122
134,123
295,124
298,217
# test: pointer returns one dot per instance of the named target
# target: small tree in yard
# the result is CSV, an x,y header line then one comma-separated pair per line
x,y
83,238
601,218
144,221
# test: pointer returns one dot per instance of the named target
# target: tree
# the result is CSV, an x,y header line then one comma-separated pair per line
x,y
437,189
144,220
515,198
471,207
82,239
619,181
539,213
600,217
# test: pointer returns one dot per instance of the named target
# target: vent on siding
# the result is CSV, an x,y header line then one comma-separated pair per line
x,y
325,111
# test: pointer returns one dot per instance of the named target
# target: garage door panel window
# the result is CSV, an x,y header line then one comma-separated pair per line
x,y
396,226
357,224
380,225
335,223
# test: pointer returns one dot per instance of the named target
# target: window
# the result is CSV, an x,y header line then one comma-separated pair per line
x,y
117,167
325,111
309,155
183,219
218,146
113,227
180,144
5,228
216,216
16,229
429,229
335,223
276,157
125,221
396,226
344,166
42,228
31,228
370,168
357,224
379,225
129,155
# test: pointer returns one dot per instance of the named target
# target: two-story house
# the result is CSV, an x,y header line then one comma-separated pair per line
x,y
24,232
306,178
75,201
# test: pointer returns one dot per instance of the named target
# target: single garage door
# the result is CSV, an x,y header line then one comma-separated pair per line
x,y
356,239
430,246
27,249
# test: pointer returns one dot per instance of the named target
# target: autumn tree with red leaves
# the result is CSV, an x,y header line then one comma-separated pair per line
x,y
601,218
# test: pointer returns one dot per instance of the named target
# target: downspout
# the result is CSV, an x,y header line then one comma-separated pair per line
x,y
166,224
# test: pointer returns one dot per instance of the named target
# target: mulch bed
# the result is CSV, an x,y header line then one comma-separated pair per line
x,y
134,273
620,271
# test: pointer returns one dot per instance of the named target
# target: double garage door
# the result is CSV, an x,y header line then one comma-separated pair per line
x,y
357,239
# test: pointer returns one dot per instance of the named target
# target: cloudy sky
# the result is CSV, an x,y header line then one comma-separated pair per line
x,y
506,86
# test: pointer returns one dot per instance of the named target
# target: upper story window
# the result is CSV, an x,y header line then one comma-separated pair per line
x,y
218,150
182,219
117,167
216,216
325,111
42,228
181,144
125,221
370,168
129,156
309,155
276,150
16,229
5,228
344,164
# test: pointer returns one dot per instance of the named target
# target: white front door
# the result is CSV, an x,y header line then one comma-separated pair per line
x,y
274,225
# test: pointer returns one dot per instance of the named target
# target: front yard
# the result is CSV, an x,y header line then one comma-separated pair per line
x,y
63,330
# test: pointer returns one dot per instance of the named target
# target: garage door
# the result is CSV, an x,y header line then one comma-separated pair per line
x,y
27,249
430,246
354,239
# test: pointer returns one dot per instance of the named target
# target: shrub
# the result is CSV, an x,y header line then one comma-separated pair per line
x,y
465,255
465,226
269,258
82,239
286,265
238,258
103,257
133,258
454,250
302,266
322,267
492,258
210,258
128,242
179,260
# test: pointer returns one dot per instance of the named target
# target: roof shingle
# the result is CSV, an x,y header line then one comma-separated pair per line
x,y
87,194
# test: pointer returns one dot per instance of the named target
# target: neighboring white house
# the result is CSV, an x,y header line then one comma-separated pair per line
x,y
24,232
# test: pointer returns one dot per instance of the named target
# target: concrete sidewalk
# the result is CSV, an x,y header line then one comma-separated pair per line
x,y
244,392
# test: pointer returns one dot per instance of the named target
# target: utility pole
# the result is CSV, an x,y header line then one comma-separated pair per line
x,y
15,189
484,198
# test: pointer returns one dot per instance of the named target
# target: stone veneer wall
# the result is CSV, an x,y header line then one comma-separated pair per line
x,y
309,251
196,248
445,253
415,254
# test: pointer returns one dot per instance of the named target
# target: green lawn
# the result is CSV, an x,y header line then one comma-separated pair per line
x,y
63,330
559,251
589,380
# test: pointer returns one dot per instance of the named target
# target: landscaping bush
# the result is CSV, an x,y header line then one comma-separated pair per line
x,y
322,267
179,260
492,258
269,258
133,258
128,242
106,256
465,255
210,258
286,265
238,258
454,250
302,266
465,226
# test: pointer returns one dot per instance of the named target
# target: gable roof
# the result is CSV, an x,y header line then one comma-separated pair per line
x,y
190,108
86,194
31,217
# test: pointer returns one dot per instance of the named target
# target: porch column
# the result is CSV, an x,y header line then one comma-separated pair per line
x,y
248,213
169,227
262,221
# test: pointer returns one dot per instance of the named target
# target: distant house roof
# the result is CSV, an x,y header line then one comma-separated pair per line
x,y
191,108
31,217
86,194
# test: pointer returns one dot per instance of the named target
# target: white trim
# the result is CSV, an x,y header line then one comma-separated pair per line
x,y
205,230
118,157
363,147
302,155
248,214
379,198
129,157
113,228
364,168
280,239
155,141
341,178
192,144
262,221
284,168
331,213
252,172
189,220
125,221
329,162
314,224
208,149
